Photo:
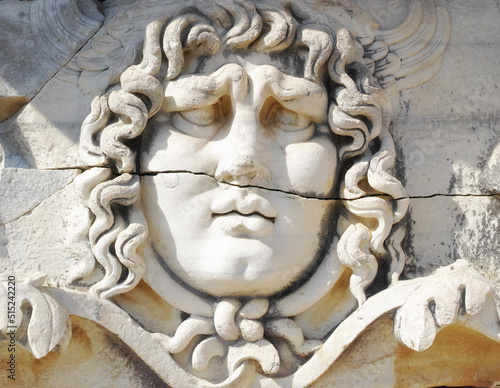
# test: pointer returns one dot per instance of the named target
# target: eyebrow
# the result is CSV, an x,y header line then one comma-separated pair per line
x,y
297,94
294,93
191,91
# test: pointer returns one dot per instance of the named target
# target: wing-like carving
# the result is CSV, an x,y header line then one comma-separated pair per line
x,y
61,28
109,54
410,54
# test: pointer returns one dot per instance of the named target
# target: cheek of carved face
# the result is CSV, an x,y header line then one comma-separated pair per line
x,y
232,241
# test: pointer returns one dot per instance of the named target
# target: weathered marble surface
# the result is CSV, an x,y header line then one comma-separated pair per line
x,y
446,132
48,32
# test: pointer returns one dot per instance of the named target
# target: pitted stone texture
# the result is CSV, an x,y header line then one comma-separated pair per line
x,y
24,189
44,135
462,227
446,129
49,237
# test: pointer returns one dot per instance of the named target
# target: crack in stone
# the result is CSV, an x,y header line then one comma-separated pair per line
x,y
54,75
38,204
79,168
304,196
485,195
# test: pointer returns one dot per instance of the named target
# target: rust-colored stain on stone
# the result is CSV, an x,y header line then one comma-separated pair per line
x,y
323,312
149,309
458,357
10,105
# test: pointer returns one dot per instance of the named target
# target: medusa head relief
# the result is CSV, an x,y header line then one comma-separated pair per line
x,y
240,167
282,106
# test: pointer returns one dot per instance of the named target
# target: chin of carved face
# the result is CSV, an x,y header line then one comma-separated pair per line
x,y
233,152
228,241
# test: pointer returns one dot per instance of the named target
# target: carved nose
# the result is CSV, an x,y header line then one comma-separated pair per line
x,y
239,162
241,168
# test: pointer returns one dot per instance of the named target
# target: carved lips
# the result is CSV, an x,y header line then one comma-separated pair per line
x,y
242,213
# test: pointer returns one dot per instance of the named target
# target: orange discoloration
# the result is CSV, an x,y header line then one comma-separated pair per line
x,y
93,358
367,362
458,357
338,293
149,309
327,309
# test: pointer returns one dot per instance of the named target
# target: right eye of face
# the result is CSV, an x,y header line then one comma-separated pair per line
x,y
203,122
200,116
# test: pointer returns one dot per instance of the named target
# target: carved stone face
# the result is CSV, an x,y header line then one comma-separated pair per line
x,y
257,140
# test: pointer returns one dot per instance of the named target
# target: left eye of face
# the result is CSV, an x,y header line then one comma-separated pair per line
x,y
288,126
286,120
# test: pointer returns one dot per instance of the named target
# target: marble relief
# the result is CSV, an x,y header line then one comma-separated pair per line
x,y
238,169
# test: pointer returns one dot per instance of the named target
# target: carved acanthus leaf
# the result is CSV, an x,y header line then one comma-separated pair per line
x,y
453,294
48,325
